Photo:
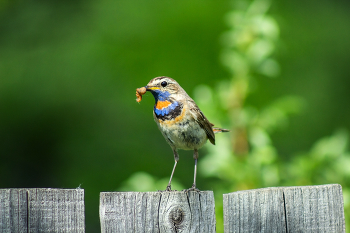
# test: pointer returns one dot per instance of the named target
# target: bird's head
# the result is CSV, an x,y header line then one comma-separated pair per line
x,y
163,88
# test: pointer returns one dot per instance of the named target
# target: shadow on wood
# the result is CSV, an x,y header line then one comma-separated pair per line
x,y
42,210
157,211
285,209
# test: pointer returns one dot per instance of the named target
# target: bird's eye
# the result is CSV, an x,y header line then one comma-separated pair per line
x,y
164,83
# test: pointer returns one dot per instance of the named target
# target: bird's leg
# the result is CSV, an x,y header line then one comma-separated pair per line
x,y
176,157
195,157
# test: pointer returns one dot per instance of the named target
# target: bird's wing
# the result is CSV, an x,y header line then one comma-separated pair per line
x,y
202,120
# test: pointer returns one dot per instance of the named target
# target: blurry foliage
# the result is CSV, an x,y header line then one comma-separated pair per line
x,y
250,158
69,69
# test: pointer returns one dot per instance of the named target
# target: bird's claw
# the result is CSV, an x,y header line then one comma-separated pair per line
x,y
193,188
168,189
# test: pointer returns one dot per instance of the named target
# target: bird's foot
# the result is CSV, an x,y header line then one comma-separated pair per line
x,y
193,188
168,189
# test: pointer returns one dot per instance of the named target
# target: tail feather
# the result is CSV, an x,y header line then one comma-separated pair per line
x,y
219,130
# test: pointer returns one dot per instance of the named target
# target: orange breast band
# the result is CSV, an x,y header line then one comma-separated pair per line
x,y
162,104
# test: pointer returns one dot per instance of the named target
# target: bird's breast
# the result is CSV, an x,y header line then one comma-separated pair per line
x,y
182,131
167,110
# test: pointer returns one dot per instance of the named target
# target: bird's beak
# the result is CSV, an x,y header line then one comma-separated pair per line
x,y
150,88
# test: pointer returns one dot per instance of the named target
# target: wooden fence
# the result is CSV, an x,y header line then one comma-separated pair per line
x,y
281,209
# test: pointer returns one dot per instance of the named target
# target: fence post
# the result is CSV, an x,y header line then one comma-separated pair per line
x,y
285,209
42,210
174,211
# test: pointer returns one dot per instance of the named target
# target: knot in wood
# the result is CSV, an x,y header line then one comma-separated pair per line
x,y
176,216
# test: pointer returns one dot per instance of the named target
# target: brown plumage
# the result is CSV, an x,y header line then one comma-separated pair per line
x,y
179,119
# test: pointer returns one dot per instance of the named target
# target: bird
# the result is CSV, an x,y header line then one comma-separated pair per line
x,y
179,119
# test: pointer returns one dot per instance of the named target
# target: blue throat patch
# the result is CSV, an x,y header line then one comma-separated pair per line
x,y
160,95
167,110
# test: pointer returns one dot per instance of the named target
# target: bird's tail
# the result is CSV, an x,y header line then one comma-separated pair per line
x,y
219,130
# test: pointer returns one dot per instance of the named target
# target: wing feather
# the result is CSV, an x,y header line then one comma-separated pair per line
x,y
202,120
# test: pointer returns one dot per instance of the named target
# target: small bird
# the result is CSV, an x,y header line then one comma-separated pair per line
x,y
179,119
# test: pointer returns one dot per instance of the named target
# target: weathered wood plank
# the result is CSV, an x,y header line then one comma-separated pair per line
x,y
285,209
315,208
42,210
13,210
157,211
260,210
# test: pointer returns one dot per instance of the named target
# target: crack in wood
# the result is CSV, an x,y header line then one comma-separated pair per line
x,y
285,211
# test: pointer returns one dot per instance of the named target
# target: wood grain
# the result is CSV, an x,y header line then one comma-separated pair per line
x,y
42,210
157,211
285,209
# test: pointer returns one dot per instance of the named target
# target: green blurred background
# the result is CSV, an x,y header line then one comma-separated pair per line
x,y
275,73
